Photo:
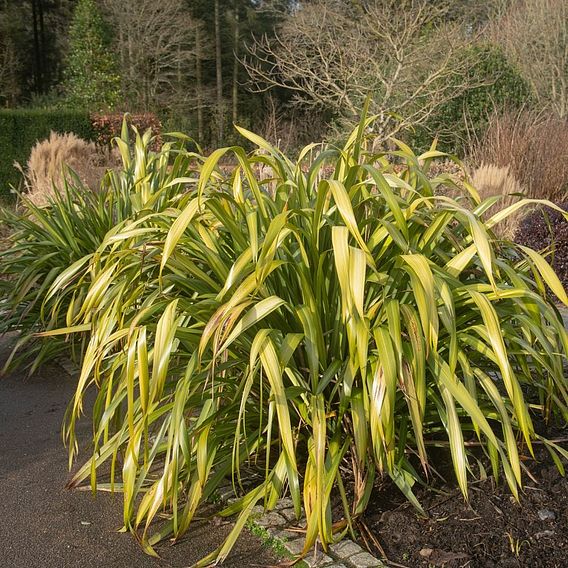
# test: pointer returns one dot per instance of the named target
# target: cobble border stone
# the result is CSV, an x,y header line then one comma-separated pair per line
x,y
279,525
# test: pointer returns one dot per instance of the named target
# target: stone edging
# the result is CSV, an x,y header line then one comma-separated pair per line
x,y
280,525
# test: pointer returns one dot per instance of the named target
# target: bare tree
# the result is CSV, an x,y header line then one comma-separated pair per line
x,y
9,69
158,52
332,54
235,85
198,83
219,71
534,34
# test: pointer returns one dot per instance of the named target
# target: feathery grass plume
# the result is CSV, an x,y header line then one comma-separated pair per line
x,y
534,146
521,152
48,164
490,181
321,334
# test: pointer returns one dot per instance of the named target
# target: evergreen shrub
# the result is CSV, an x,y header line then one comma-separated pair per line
x,y
496,85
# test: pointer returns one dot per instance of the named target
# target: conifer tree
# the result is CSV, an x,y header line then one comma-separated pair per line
x,y
91,77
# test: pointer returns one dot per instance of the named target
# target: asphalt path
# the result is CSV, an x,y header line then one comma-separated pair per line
x,y
42,524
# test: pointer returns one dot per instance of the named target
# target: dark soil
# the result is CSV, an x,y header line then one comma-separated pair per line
x,y
547,229
493,530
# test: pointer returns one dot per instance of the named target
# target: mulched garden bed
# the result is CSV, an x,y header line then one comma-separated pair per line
x,y
493,530
544,228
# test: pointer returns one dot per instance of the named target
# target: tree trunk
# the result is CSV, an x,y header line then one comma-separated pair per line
x,y
236,38
132,70
199,85
37,54
43,46
219,72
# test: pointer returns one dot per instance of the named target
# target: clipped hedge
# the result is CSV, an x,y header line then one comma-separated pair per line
x,y
20,129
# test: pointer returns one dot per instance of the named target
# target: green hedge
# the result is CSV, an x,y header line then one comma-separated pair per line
x,y
20,129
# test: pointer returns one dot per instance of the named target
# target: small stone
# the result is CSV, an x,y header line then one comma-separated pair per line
x,y
426,552
285,534
271,520
320,559
543,534
285,503
225,493
365,560
85,523
295,546
546,515
346,549
288,514
69,367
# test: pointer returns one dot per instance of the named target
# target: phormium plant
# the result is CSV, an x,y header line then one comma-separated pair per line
x,y
321,328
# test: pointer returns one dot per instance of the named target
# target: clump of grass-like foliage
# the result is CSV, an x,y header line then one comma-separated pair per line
x,y
321,327
64,233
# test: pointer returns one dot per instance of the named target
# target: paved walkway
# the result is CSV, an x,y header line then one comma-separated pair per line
x,y
44,525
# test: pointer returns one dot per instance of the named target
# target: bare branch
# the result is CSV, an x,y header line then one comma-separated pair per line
x,y
534,34
333,54
157,52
